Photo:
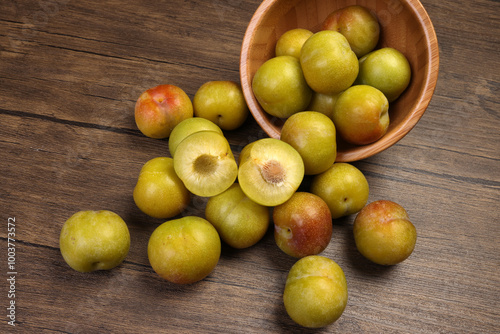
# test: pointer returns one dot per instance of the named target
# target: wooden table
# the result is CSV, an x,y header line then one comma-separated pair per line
x,y
70,73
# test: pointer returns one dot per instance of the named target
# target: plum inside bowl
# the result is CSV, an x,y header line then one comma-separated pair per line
x,y
404,25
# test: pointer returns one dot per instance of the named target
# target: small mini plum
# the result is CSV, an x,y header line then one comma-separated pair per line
x,y
328,63
221,102
302,225
383,233
323,103
280,88
188,127
270,171
158,110
159,192
386,69
241,222
184,250
359,26
361,114
315,292
343,187
290,43
205,163
313,135
94,240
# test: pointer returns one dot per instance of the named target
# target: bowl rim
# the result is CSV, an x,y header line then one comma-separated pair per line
x,y
355,153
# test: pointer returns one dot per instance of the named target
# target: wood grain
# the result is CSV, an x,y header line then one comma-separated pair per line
x,y
70,73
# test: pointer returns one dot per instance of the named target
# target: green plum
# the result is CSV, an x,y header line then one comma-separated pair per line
x,y
241,222
323,103
343,187
184,250
383,233
313,135
280,87
386,69
359,26
315,292
188,127
361,114
221,102
159,192
328,63
94,240
290,43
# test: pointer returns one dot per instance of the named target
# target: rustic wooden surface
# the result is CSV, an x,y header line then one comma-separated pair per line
x,y
70,72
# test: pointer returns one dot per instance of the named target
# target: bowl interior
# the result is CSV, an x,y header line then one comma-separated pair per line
x,y
404,25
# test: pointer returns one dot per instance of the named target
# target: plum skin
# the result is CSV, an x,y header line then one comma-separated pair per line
x,y
302,225
323,103
343,187
241,222
328,63
280,87
184,250
361,114
383,233
159,109
359,26
221,102
315,292
94,240
290,42
159,192
313,135
386,69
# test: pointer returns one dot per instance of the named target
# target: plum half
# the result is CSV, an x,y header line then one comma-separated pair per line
x,y
270,171
205,163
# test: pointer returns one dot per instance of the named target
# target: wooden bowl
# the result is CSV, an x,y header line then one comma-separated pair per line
x,y
404,26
